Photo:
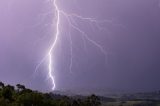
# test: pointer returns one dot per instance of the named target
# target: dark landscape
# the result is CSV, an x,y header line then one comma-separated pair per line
x,y
22,96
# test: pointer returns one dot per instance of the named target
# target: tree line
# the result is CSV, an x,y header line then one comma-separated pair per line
x,y
19,95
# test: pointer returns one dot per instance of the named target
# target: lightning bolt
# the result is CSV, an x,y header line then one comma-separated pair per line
x,y
54,44
71,19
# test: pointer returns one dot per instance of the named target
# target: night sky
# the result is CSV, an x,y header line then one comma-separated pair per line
x,y
131,38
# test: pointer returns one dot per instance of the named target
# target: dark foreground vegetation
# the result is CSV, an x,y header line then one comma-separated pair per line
x,y
21,96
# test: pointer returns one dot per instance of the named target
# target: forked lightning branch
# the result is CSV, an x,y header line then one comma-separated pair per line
x,y
73,24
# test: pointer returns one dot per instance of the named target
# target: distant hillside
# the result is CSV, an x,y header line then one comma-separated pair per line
x,y
85,92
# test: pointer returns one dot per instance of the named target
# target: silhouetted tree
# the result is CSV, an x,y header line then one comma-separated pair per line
x,y
20,87
93,100
7,93
10,87
1,85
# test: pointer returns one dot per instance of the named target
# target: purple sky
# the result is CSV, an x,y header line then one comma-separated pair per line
x,y
132,41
